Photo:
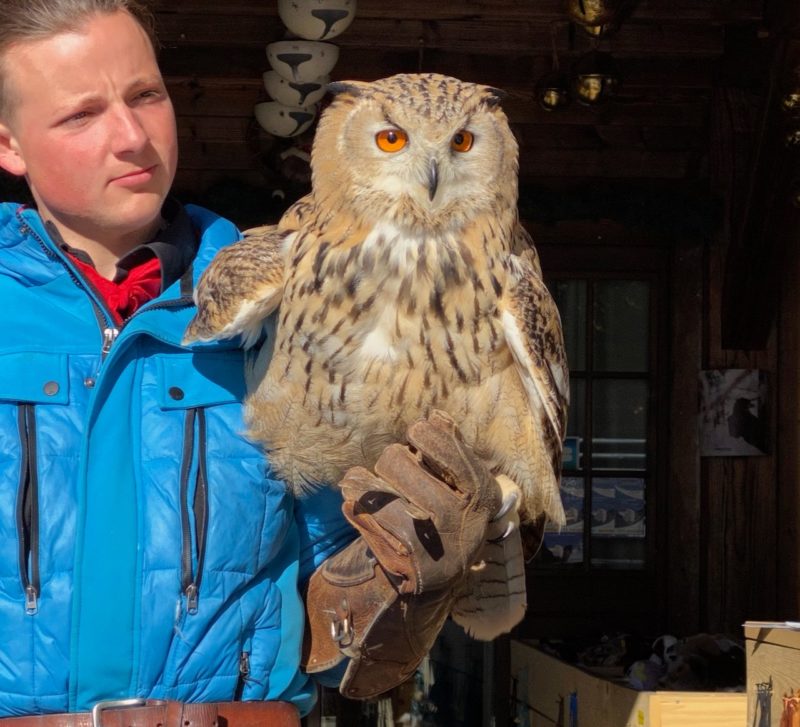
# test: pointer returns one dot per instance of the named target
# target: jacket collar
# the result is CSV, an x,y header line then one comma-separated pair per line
x,y
174,244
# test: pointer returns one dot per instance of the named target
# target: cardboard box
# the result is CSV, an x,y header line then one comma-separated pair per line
x,y
773,671
550,692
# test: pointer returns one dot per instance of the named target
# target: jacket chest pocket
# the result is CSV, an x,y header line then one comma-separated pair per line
x,y
204,390
28,382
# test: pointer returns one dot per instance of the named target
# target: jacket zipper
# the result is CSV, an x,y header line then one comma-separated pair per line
x,y
105,320
244,675
190,579
28,509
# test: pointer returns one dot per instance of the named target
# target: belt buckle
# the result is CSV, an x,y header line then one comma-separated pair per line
x,y
114,704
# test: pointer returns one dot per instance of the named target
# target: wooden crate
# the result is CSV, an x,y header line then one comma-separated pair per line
x,y
773,670
548,690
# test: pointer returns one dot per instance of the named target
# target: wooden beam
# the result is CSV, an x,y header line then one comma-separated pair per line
x,y
770,224
504,37
604,163
679,533
788,442
690,11
236,97
648,75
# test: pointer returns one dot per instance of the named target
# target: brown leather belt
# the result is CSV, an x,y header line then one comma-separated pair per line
x,y
159,713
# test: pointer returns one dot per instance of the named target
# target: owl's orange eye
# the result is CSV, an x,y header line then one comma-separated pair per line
x,y
391,140
462,141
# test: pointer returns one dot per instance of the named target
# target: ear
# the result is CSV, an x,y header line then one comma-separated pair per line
x,y
494,96
352,88
10,154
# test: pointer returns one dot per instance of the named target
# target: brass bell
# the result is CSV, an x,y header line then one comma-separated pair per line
x,y
790,103
602,31
594,12
552,91
792,139
595,78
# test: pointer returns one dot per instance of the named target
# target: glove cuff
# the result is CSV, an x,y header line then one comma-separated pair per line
x,y
355,610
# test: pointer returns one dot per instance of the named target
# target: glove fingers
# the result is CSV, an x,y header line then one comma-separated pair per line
x,y
358,480
391,551
373,493
405,474
443,451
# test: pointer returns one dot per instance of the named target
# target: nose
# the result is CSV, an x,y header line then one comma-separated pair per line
x,y
128,133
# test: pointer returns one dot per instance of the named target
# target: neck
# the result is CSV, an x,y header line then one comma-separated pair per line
x,y
104,247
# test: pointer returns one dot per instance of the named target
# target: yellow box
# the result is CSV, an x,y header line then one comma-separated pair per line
x,y
544,686
773,670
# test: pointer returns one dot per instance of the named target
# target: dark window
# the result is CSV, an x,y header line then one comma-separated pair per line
x,y
607,451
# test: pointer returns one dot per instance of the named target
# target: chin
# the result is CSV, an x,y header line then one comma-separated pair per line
x,y
142,211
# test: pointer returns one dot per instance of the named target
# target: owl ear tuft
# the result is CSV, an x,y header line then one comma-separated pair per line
x,y
494,96
353,88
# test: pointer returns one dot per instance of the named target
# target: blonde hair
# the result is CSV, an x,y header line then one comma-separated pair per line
x,y
26,20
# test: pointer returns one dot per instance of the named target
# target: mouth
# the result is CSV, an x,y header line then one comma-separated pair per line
x,y
135,177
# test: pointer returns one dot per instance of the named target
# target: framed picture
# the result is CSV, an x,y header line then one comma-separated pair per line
x,y
733,413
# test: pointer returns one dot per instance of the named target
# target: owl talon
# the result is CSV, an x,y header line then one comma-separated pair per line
x,y
510,527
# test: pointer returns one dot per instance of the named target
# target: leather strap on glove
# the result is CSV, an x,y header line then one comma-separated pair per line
x,y
382,600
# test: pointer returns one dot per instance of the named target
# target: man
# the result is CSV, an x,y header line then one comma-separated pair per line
x,y
146,553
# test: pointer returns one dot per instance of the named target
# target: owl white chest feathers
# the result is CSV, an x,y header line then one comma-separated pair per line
x,y
383,331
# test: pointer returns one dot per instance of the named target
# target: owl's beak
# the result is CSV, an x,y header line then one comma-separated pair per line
x,y
433,179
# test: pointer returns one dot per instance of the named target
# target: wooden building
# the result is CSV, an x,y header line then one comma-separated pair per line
x,y
674,209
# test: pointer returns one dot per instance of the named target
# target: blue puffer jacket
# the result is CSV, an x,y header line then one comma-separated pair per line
x,y
145,549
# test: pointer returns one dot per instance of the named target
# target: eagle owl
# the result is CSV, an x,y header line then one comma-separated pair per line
x,y
404,282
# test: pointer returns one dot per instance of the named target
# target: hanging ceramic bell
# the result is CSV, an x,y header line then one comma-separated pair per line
x,y
552,91
595,78
280,120
302,61
317,19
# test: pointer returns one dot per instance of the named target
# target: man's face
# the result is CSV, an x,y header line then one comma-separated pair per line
x,y
90,125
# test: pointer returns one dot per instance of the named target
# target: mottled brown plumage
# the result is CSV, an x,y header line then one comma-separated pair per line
x,y
406,284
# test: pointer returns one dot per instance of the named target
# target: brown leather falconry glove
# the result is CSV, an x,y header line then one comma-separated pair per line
x,y
383,600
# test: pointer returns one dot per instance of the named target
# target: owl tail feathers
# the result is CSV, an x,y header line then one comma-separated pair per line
x,y
493,599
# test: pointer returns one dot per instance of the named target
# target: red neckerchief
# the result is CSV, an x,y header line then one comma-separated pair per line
x,y
142,283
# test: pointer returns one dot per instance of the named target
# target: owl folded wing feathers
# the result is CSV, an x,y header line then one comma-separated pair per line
x,y
240,288
532,328
493,598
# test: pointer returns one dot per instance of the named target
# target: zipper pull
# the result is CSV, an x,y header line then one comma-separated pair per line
x,y
31,600
109,336
191,598
244,665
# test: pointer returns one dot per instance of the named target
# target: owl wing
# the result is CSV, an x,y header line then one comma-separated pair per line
x,y
532,328
493,599
240,288
522,244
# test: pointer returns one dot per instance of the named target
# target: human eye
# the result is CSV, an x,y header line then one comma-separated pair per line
x,y
76,118
149,94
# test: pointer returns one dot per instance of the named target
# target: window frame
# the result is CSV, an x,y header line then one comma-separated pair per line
x,y
575,599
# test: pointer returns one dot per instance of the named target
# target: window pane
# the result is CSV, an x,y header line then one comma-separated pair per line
x,y
619,424
570,297
621,322
576,422
572,498
618,521
566,545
